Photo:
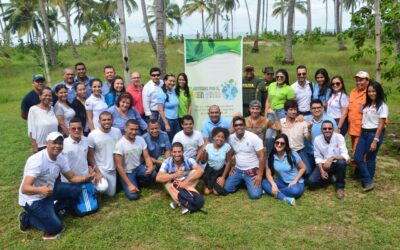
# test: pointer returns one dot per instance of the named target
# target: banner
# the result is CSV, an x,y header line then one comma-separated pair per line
x,y
214,70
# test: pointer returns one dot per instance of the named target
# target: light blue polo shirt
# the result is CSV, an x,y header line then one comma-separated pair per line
x,y
170,107
105,88
316,130
286,172
119,121
208,126
157,147
323,98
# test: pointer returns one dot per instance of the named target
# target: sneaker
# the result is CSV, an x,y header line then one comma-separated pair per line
x,y
369,187
184,210
173,205
47,236
22,227
340,193
290,201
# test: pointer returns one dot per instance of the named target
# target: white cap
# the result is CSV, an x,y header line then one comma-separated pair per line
x,y
54,136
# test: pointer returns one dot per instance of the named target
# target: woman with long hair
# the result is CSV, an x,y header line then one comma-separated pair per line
x,y
78,104
117,87
41,120
289,184
338,104
184,94
95,104
321,89
63,110
375,114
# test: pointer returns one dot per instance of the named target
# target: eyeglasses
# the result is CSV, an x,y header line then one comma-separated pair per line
x,y
336,83
280,77
238,125
327,129
301,74
155,75
280,143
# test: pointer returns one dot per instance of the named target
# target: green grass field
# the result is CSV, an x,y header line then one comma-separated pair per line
x,y
318,221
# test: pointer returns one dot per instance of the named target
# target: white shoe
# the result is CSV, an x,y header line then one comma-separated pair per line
x,y
184,210
173,205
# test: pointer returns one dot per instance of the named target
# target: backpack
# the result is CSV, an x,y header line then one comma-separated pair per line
x,y
190,199
87,201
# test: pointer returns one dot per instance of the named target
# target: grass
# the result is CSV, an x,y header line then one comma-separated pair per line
x,y
362,220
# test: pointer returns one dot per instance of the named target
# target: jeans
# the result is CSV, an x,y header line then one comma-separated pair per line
x,y
337,168
367,169
42,215
306,159
270,134
294,191
233,181
345,126
174,125
138,178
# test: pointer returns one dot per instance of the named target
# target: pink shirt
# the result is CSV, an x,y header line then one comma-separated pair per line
x,y
137,97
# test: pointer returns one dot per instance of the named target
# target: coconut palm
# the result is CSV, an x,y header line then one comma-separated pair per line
x,y
281,7
45,18
288,50
65,9
248,15
338,23
191,6
309,26
255,46
160,28
147,26
229,6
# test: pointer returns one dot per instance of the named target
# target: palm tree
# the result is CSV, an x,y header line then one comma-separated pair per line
x,y
147,26
338,23
3,24
281,8
309,26
229,6
52,52
255,46
160,28
326,15
248,15
288,50
262,16
378,71
66,12
124,44
191,6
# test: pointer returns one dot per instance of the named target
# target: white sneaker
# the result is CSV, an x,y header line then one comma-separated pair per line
x,y
47,236
184,210
173,205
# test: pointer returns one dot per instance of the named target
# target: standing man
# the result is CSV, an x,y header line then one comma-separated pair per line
x,y
101,143
68,81
39,189
214,120
158,143
127,156
81,77
32,98
135,88
150,94
331,157
250,161
303,90
249,84
109,75
261,92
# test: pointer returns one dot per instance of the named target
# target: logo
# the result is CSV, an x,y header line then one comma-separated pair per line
x,y
229,90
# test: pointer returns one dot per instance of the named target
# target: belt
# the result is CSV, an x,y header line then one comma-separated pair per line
x,y
369,130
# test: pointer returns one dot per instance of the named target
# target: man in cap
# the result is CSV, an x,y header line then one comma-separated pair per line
x,y
261,92
249,84
32,98
39,189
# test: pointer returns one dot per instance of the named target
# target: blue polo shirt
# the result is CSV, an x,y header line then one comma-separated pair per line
x,y
105,88
157,147
87,84
170,107
119,121
316,130
208,126
31,99
323,98
286,172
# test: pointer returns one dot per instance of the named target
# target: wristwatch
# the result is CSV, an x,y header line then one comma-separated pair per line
x,y
376,139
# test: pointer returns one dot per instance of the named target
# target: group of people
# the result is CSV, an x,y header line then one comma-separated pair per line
x,y
107,134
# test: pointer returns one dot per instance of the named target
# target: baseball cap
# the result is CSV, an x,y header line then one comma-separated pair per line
x,y
362,74
248,67
255,103
54,136
38,77
268,70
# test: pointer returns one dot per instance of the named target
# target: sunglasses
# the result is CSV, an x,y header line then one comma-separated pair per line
x,y
336,83
301,74
327,129
280,77
238,125
280,143
155,75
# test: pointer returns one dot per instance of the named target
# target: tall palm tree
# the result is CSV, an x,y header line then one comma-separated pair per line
x,y
124,43
266,16
248,15
4,32
289,43
326,15
309,26
255,46
378,71
66,12
262,15
191,6
281,8
160,28
229,6
147,26
52,51
338,23
84,14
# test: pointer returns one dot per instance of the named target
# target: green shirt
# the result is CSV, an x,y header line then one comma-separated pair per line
x,y
184,102
279,95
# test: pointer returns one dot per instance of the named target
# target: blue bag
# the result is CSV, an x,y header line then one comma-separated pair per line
x,y
87,201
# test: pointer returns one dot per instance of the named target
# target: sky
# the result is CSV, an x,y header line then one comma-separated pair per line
x,y
192,24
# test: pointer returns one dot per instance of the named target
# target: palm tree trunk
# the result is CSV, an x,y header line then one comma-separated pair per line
x,y
202,24
4,31
232,23
266,18
45,62
309,26
67,19
248,15
255,45
338,26
326,16
378,71
53,60
160,24
147,26
124,44
288,50
263,15
282,19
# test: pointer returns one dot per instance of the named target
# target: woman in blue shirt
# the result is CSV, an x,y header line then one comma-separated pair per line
x,y
117,87
290,168
168,102
321,89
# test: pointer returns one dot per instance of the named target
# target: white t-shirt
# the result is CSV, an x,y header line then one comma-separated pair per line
x,y
302,95
97,105
45,171
41,123
190,143
76,155
131,152
103,145
66,111
246,150
336,103
371,116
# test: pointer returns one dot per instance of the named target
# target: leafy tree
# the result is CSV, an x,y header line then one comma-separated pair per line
x,y
103,34
229,6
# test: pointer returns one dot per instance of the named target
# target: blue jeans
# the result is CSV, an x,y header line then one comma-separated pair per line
x,y
174,125
367,169
139,178
42,215
232,183
306,159
337,168
294,191
270,134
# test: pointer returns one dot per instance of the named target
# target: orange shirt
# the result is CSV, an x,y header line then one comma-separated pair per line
x,y
356,104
